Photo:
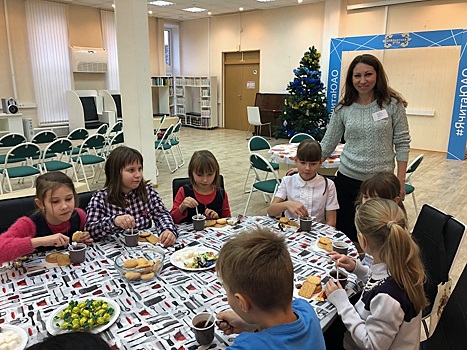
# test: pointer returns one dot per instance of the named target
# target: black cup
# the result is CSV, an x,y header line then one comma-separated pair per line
x,y
77,253
198,222
131,237
340,247
342,277
204,335
305,223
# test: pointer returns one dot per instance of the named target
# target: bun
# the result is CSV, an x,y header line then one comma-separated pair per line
x,y
77,236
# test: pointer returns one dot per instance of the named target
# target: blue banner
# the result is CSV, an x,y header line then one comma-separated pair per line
x,y
436,38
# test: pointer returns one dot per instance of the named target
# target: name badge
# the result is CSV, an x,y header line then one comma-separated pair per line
x,y
380,115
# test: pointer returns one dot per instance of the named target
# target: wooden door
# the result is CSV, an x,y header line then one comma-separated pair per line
x,y
241,83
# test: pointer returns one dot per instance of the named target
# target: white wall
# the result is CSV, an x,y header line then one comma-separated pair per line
x,y
426,77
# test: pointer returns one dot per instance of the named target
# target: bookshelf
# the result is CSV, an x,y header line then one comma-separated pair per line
x,y
196,101
163,101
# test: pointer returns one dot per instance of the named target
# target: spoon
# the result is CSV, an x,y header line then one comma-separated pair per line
x,y
208,320
196,210
72,245
337,271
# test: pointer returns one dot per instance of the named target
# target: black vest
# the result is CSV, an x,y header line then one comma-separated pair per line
x,y
42,229
215,205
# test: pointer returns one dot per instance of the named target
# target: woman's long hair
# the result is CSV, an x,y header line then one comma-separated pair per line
x,y
384,226
382,91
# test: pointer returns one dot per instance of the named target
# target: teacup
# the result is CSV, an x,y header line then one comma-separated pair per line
x,y
131,237
77,253
342,277
198,222
305,223
340,247
204,334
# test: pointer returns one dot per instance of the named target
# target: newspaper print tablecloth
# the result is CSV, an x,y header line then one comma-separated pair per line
x,y
286,153
156,314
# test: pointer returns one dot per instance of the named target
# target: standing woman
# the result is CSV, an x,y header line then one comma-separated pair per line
x,y
371,118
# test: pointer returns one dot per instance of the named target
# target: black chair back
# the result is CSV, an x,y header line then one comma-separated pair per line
x,y
14,208
181,181
438,236
451,330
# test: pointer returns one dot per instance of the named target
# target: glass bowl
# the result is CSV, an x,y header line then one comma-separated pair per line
x,y
140,265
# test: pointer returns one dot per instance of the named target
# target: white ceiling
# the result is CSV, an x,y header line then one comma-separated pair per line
x,y
216,7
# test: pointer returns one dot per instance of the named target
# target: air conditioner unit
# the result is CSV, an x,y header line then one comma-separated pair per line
x,y
88,60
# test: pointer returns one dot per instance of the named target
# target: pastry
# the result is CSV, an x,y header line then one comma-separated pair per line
x,y
129,264
307,290
63,260
145,234
311,286
52,258
147,276
209,223
132,275
314,279
283,220
152,239
325,243
221,221
77,236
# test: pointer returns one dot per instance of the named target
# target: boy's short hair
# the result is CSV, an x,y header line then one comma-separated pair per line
x,y
257,264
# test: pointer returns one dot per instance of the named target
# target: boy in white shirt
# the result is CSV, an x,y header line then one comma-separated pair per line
x,y
306,193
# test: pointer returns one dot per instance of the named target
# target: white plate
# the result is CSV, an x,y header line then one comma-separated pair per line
x,y
313,297
52,329
198,250
18,330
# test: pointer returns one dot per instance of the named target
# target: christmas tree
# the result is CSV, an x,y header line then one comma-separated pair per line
x,y
305,106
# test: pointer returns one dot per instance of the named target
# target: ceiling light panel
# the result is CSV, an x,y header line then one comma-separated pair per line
x,y
160,3
194,9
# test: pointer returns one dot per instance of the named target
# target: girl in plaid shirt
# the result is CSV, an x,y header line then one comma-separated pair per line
x,y
127,200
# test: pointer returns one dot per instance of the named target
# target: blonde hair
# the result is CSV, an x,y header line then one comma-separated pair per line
x,y
384,225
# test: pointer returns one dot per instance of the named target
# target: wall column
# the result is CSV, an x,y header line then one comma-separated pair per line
x,y
332,14
131,18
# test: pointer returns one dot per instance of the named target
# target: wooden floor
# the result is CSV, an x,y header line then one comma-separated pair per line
x,y
438,181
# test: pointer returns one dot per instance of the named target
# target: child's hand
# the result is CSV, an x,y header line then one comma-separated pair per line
x,y
343,261
86,238
55,240
291,171
188,202
331,287
167,238
125,221
230,323
296,209
211,214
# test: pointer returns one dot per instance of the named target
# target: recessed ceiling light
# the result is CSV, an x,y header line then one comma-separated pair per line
x,y
194,9
300,1
265,0
209,13
240,8
160,3
150,12
113,5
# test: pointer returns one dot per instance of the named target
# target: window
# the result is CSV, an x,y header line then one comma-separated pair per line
x,y
168,51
